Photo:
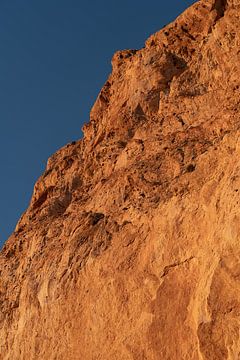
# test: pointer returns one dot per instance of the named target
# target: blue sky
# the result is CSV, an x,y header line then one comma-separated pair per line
x,y
55,57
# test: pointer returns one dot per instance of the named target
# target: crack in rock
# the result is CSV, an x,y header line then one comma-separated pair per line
x,y
169,267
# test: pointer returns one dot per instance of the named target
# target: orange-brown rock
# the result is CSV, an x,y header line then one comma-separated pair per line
x,y
129,249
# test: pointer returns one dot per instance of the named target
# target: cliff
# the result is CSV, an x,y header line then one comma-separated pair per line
x,y
129,249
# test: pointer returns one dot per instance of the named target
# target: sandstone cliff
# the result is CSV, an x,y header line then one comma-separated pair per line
x,y
129,249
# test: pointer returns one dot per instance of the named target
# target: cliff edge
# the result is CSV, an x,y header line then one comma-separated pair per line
x,y
129,249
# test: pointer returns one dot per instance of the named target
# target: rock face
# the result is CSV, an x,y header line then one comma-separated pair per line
x,y
129,249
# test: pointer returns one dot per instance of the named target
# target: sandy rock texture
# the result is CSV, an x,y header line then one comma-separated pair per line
x,y
130,248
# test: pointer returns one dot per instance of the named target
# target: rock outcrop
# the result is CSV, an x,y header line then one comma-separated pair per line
x,y
129,249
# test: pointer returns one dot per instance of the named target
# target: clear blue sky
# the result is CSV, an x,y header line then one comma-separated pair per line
x,y
55,57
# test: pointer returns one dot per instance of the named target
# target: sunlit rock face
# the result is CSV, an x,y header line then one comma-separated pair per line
x,y
129,249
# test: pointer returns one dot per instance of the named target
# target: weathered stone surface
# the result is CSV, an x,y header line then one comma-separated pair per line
x,y
129,249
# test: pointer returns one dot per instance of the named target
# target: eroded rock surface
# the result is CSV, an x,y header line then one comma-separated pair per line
x,y
129,249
